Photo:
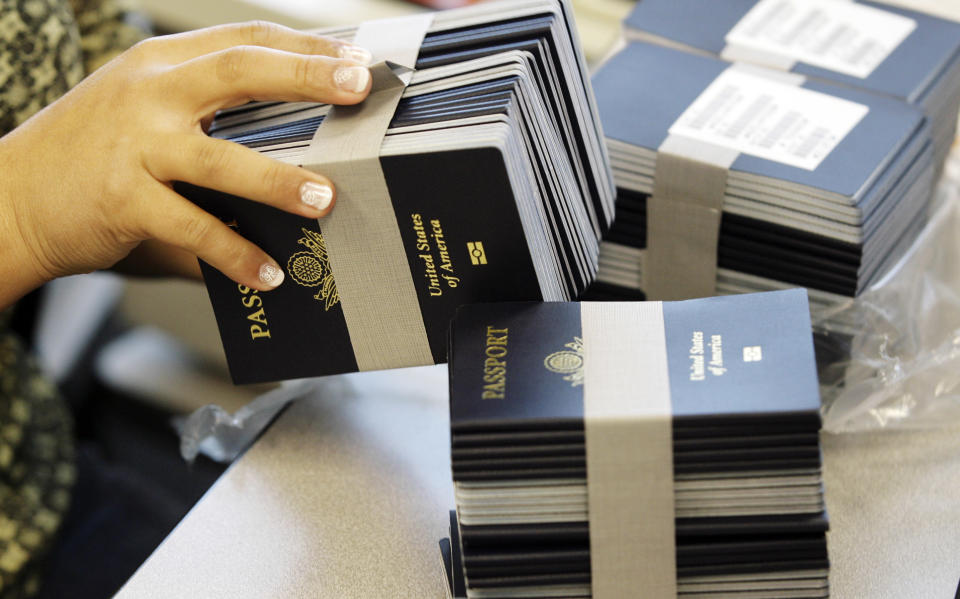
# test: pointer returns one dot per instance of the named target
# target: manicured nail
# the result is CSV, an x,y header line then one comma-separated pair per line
x,y
316,195
271,275
356,54
352,79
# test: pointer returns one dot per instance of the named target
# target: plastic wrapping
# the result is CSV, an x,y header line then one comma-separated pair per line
x,y
222,436
891,357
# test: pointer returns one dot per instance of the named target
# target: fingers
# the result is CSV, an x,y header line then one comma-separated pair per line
x,y
240,171
241,73
176,221
226,66
185,46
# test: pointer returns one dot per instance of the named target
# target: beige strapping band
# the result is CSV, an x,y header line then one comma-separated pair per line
x,y
684,212
363,239
745,54
683,219
629,448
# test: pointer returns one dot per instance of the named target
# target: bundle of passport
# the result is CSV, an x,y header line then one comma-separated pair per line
x,y
890,50
749,513
840,134
496,171
830,186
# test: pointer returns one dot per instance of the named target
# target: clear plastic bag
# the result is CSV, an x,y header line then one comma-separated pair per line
x,y
896,347
222,436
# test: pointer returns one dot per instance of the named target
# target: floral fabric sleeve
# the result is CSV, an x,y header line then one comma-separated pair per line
x,y
37,468
107,28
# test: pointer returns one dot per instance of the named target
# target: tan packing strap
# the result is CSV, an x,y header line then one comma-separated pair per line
x,y
683,219
363,239
629,450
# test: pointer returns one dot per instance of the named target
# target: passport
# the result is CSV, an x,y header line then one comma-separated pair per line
x,y
749,516
834,227
756,349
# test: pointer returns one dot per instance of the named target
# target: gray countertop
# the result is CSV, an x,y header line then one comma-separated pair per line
x,y
894,505
346,496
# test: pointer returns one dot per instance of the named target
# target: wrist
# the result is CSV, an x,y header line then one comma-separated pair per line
x,y
19,272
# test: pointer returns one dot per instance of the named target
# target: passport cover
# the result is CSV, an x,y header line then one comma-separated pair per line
x,y
730,359
443,202
906,73
660,83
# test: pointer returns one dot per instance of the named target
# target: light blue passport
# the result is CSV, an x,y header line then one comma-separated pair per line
x,y
645,88
930,53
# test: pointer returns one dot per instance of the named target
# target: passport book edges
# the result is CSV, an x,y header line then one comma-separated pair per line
x,y
464,251
451,561
518,366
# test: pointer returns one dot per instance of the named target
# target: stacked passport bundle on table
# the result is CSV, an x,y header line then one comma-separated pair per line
x,y
749,514
886,49
829,186
497,174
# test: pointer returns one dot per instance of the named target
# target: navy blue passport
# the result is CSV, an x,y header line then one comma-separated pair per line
x,y
519,366
281,334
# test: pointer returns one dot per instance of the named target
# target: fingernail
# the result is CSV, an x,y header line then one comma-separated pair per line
x,y
316,195
271,275
356,54
352,79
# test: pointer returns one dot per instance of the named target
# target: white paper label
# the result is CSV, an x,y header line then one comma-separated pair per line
x,y
841,36
763,117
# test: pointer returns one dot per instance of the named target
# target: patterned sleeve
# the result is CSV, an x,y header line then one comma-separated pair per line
x,y
107,28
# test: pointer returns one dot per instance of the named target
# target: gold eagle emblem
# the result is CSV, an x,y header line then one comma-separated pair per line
x,y
568,362
312,268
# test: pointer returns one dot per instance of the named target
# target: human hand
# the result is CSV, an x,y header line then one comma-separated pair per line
x,y
89,178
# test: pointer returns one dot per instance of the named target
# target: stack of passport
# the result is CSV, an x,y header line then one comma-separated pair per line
x,y
830,185
497,173
889,50
749,509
